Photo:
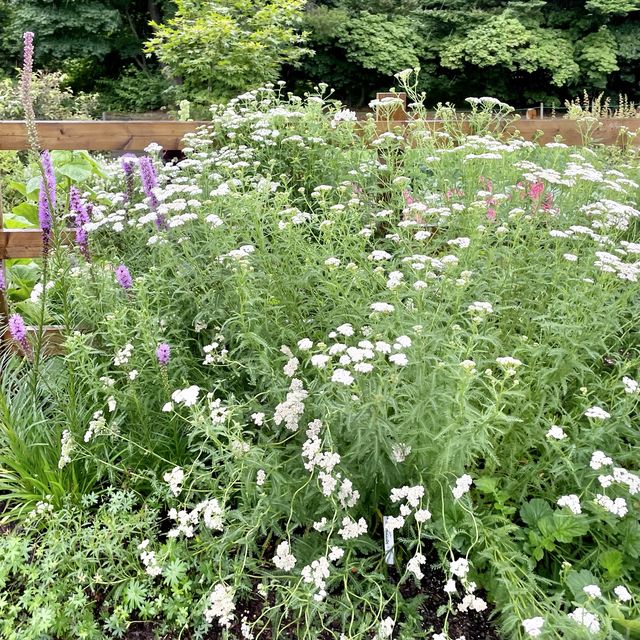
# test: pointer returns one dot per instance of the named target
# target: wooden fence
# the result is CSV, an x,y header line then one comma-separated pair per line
x,y
135,135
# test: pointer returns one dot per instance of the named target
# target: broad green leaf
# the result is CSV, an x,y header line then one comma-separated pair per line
x,y
534,510
12,221
20,187
78,172
577,580
564,527
611,561
33,185
486,484
27,210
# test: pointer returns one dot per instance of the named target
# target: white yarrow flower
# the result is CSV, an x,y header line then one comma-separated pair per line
x,y
597,413
572,502
592,590
556,433
284,559
533,626
622,593
586,619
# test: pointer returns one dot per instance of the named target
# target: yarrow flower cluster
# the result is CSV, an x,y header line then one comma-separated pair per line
x,y
597,413
586,619
210,511
174,479
599,460
571,502
290,411
149,559
462,486
617,507
284,559
480,310
533,626
556,433
459,567
352,529
221,605
187,397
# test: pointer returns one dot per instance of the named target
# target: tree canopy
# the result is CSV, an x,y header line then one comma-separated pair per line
x,y
146,52
518,50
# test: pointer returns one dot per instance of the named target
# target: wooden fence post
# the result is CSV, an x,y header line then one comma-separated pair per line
x,y
398,113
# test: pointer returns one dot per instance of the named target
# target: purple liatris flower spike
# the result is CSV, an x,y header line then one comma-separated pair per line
x,y
44,217
76,206
50,177
124,277
82,240
46,200
149,180
127,162
3,283
82,217
163,353
18,332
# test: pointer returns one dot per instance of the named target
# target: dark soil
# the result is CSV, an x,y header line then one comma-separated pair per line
x,y
471,624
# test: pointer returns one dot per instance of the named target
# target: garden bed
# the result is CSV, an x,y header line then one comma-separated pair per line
x,y
326,384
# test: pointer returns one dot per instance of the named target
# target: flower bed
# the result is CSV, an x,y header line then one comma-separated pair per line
x,y
300,363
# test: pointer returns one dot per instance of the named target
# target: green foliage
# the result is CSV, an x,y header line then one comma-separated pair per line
x,y
89,41
51,96
69,29
597,56
378,42
351,317
511,49
620,7
216,49
135,90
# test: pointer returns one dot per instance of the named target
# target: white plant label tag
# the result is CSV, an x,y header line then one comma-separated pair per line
x,y
389,554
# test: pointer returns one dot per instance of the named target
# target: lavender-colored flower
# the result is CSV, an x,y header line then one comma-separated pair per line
x,y
82,217
50,176
46,200
45,218
82,240
77,206
128,167
18,332
163,353
127,162
3,282
17,327
124,277
149,180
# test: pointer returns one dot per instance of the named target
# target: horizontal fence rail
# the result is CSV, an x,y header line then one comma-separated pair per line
x,y
97,135
136,135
